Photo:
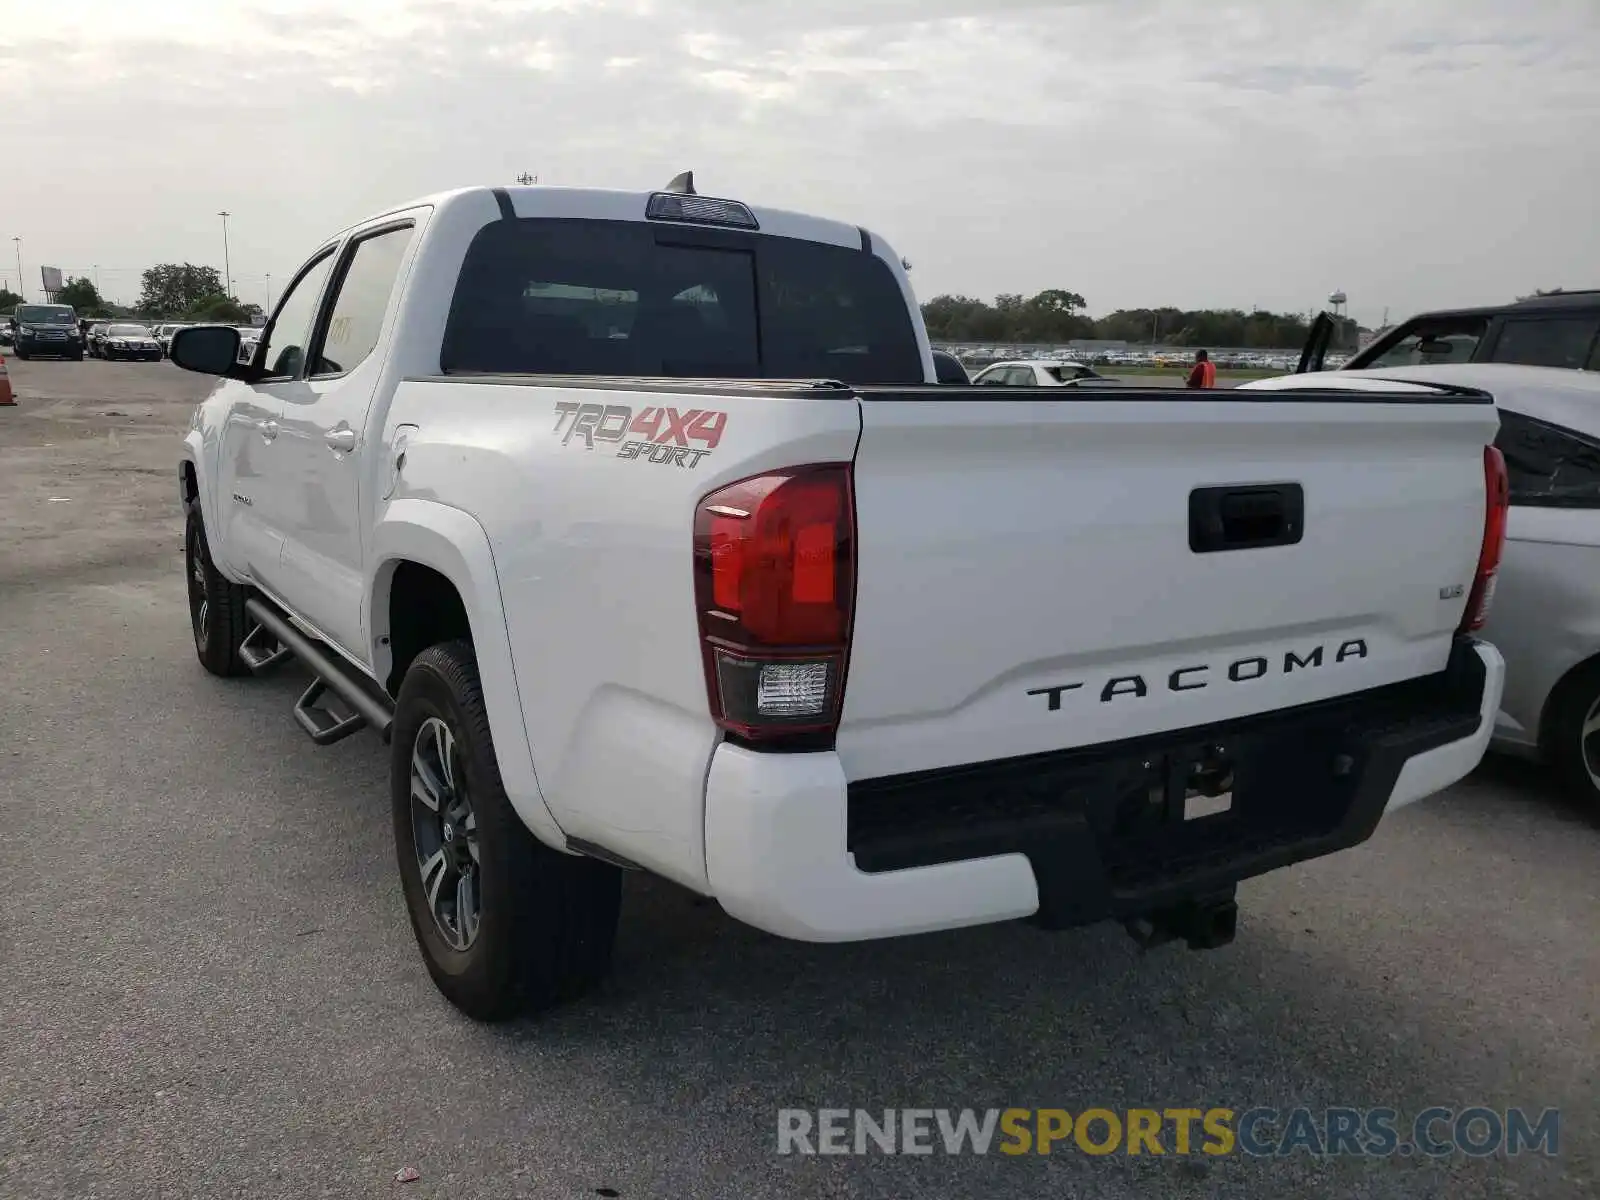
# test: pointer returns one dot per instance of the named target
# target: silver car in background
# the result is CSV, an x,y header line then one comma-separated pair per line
x,y
1546,613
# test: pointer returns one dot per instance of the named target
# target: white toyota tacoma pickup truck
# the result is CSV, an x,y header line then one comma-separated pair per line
x,y
637,526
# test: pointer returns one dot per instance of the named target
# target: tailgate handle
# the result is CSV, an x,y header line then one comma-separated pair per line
x,y
1246,516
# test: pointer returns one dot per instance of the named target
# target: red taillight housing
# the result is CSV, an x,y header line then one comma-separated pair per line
x,y
774,578
1497,491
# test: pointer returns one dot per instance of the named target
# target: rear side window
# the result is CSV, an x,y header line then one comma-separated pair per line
x,y
1546,341
605,298
1549,466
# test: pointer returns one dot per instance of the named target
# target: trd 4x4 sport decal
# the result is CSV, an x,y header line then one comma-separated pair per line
x,y
652,434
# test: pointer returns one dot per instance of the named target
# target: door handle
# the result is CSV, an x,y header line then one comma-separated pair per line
x,y
267,429
342,440
1247,517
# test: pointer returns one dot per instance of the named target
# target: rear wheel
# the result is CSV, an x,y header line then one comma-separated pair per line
x,y
216,606
1572,734
505,924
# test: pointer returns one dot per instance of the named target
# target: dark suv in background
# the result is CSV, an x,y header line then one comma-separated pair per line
x,y
1559,330
40,330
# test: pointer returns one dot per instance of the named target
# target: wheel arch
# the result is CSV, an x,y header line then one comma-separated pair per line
x,y
1549,708
419,548
194,485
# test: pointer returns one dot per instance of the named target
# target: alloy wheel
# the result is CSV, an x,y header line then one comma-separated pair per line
x,y
1589,743
199,591
445,833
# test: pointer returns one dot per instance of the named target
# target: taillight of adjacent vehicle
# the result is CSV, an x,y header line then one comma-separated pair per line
x,y
774,574
1497,491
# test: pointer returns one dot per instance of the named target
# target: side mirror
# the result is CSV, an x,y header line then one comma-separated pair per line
x,y
208,349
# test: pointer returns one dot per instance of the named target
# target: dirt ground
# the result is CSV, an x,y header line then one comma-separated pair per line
x,y
88,466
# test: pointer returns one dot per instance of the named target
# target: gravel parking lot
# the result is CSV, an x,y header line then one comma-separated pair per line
x,y
211,989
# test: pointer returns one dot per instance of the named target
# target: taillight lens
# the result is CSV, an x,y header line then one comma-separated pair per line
x,y
774,571
1497,491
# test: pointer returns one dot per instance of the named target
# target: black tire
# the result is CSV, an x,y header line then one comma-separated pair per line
x,y
22,355
216,606
1575,758
78,357
546,920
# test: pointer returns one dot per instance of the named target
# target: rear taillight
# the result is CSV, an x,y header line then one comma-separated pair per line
x,y
1497,491
774,577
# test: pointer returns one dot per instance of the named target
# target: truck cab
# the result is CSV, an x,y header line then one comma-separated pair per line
x,y
1561,329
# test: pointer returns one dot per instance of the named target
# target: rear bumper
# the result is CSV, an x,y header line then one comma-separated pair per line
x,y
792,847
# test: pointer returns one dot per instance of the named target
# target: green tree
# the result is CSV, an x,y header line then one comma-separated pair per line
x,y
82,295
8,299
173,288
218,309
1057,316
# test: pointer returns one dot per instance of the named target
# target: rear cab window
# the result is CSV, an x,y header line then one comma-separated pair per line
x,y
592,297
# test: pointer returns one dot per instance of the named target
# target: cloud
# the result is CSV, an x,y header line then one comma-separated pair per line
x,y
1137,152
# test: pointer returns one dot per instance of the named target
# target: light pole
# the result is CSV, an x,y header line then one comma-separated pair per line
x,y
227,267
269,294
22,289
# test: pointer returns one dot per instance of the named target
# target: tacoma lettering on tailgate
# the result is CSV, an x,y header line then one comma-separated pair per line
x,y
1192,679
652,434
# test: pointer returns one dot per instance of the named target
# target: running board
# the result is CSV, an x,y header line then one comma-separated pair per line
x,y
367,711
256,656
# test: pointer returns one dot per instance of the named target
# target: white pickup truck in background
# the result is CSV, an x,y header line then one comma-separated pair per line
x,y
636,525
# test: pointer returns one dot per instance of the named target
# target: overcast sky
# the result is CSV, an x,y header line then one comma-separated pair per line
x,y
1191,152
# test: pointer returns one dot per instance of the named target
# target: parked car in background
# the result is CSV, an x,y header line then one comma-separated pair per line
x,y
46,330
163,334
1042,372
249,338
7,335
1559,330
95,337
132,343
1546,614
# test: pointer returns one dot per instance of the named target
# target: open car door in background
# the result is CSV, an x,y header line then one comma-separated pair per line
x,y
1317,343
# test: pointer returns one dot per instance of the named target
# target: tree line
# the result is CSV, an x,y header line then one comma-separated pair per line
x,y
1056,316
168,291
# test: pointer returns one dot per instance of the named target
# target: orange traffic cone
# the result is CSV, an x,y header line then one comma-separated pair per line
x,y
7,396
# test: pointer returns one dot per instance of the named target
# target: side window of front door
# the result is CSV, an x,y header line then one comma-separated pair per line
x,y
282,351
356,317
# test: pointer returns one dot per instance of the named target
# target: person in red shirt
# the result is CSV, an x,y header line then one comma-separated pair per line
x,y
1204,372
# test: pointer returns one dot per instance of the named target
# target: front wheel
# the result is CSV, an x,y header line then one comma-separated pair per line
x,y
1572,734
216,606
506,925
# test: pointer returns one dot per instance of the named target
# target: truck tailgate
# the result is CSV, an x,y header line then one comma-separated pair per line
x,y
1039,573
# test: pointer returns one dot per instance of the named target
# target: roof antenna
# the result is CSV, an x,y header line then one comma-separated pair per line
x,y
683,184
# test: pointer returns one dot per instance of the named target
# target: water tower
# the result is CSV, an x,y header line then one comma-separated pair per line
x,y
1340,305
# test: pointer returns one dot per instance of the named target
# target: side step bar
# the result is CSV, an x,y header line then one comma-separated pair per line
x,y
367,710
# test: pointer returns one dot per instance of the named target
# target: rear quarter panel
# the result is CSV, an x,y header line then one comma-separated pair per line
x,y
1546,614
593,548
